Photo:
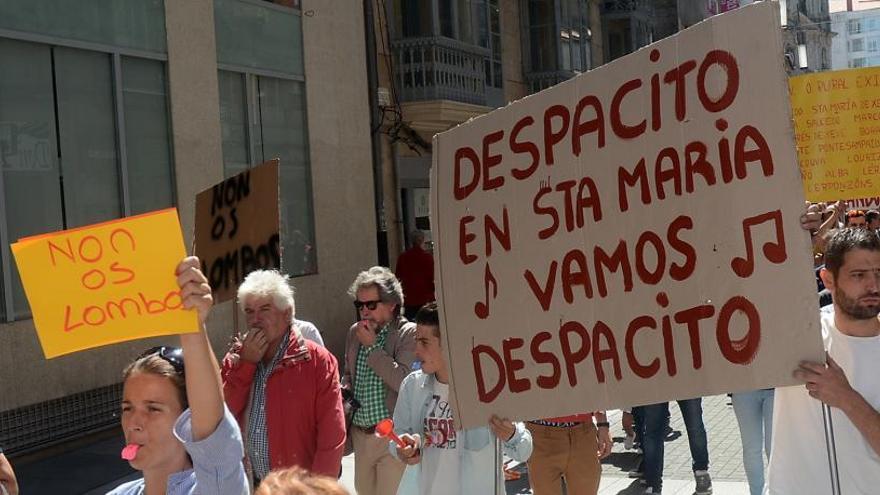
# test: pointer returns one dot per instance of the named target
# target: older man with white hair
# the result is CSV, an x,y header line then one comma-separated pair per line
x,y
282,387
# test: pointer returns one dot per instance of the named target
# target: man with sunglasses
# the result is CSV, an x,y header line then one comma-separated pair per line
x,y
379,352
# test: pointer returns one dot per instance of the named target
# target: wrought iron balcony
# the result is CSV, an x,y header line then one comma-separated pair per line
x,y
543,80
623,6
438,68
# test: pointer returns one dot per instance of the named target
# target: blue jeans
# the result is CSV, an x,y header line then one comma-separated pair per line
x,y
638,413
656,417
754,413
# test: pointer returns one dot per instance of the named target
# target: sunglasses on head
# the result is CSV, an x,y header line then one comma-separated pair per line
x,y
173,355
371,305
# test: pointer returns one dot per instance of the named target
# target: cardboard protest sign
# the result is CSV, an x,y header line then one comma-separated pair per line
x,y
237,229
629,236
837,125
105,283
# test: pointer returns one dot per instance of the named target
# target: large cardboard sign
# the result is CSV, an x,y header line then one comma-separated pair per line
x,y
629,236
237,228
837,124
105,283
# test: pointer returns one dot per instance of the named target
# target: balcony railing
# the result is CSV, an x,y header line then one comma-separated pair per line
x,y
439,68
542,80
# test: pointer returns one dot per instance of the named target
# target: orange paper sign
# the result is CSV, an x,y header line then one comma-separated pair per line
x,y
105,283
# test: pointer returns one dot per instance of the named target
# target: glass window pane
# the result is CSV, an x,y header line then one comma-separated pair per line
x,y
147,140
233,124
446,20
415,18
28,152
543,48
283,122
258,36
87,136
136,24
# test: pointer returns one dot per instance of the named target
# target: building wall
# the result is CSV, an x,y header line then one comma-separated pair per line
x,y
339,151
860,47
515,85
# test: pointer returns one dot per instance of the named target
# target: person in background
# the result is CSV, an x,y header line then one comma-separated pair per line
x,y
856,219
754,415
656,418
873,219
415,270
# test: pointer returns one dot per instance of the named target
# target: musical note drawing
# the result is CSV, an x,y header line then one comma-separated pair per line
x,y
775,252
481,309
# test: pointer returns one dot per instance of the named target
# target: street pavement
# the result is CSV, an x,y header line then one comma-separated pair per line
x,y
93,468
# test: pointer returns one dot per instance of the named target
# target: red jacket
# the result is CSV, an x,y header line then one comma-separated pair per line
x,y
415,270
304,418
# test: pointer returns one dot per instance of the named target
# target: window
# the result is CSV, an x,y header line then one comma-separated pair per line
x,y
857,45
574,35
857,62
263,118
72,152
487,16
872,44
295,4
542,31
413,18
853,26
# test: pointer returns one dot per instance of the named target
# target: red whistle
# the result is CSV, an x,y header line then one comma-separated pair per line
x,y
385,428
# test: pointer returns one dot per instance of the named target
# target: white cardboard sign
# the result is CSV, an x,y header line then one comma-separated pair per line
x,y
629,236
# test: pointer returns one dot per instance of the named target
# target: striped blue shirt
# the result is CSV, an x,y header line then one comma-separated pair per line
x,y
217,467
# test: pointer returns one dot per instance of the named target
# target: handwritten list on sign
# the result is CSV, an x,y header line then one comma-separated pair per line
x,y
105,283
628,236
837,126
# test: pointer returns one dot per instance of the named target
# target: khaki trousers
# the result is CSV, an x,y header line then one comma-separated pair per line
x,y
568,453
376,472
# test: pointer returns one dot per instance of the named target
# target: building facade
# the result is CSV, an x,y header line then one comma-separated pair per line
x,y
857,43
440,63
114,108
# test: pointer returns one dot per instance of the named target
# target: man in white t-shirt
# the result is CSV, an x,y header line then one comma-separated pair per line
x,y
803,460
444,460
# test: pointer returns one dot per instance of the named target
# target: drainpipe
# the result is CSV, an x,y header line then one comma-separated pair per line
x,y
373,96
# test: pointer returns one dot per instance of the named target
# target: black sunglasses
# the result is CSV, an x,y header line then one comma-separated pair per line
x,y
173,355
371,305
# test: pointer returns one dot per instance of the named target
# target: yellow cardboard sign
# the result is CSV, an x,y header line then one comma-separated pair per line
x,y
837,126
105,283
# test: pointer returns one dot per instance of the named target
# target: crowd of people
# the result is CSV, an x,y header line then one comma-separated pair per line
x,y
276,415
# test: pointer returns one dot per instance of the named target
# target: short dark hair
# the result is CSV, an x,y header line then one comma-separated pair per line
x,y
855,213
846,240
872,215
429,316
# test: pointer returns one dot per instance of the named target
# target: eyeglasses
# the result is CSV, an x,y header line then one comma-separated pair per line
x,y
371,305
173,355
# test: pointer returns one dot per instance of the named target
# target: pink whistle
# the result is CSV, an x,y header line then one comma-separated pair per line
x,y
130,451
385,428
